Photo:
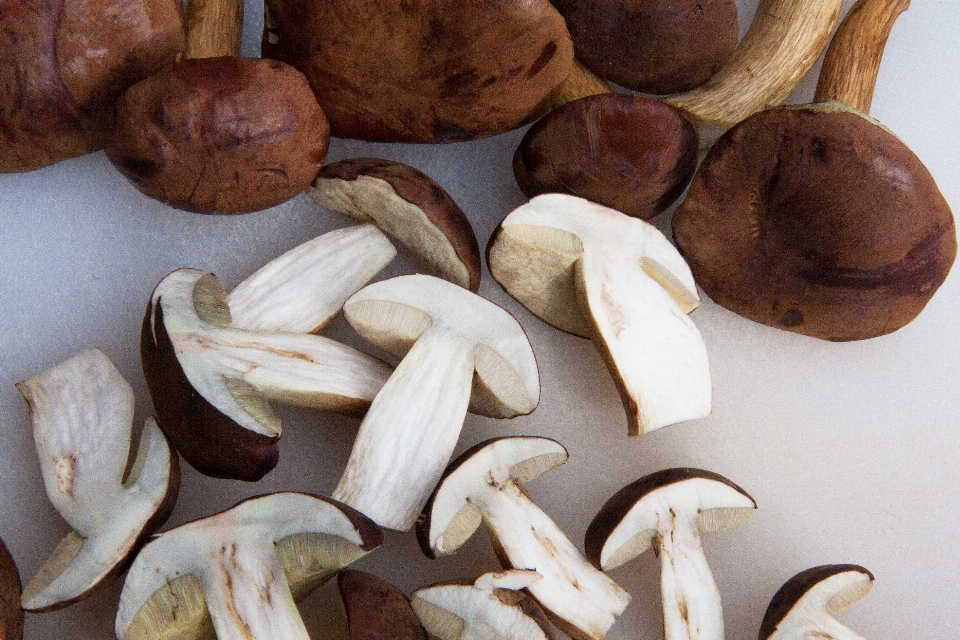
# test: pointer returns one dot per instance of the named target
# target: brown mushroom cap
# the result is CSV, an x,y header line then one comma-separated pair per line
x,y
653,46
417,71
377,610
817,220
627,152
11,615
206,136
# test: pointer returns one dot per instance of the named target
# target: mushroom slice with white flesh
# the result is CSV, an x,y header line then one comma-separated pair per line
x,y
82,414
495,607
458,349
806,603
11,613
237,574
598,273
669,510
484,484
377,610
211,383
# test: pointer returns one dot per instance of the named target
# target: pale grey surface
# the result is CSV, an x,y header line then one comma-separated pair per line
x,y
851,450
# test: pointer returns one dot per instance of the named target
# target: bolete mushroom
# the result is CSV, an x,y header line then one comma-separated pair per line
x,y
211,383
598,273
82,413
238,574
806,603
816,219
377,610
418,71
668,510
485,484
11,614
458,350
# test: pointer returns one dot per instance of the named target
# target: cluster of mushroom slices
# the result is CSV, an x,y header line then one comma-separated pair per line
x,y
806,603
458,351
669,510
484,485
11,613
377,610
598,273
238,574
82,413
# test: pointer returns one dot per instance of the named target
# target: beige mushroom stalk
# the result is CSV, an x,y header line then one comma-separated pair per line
x,y
598,273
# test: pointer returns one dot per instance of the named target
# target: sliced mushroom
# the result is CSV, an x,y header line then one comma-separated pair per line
x,y
11,614
806,603
598,273
82,413
408,205
456,346
495,607
377,610
237,574
668,510
211,383
484,485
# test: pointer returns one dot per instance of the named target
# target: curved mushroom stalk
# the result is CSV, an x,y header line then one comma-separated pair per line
x,y
241,569
82,412
598,273
484,485
412,426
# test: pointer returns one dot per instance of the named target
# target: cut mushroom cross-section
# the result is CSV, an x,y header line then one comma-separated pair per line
x,y
485,485
457,348
82,413
237,574
668,510
598,273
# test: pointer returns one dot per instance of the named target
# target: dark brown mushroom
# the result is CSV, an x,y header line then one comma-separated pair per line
x,y
377,610
11,615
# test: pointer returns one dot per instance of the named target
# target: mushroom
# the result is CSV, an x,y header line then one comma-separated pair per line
x,y
216,133
458,349
63,63
653,46
238,574
598,273
484,485
668,510
624,151
806,603
417,71
816,219
377,610
211,383
579,84
494,607
11,615
82,412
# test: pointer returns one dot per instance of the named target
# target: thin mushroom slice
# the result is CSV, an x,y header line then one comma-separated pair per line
x,y
806,603
82,413
11,613
237,574
598,273
377,610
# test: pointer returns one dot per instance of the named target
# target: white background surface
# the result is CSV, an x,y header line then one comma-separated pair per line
x,y
852,451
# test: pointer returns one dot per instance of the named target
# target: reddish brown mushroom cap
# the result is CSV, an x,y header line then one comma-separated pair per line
x,y
11,615
377,610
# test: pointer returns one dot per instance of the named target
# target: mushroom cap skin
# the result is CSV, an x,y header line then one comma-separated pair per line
x,y
377,610
408,205
653,46
626,152
204,136
813,219
805,604
11,615
417,71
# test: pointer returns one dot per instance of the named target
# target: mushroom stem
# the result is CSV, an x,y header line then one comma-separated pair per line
x,y
579,84
214,28
852,62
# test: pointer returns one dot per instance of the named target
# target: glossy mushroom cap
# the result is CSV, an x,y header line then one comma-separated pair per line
x,y
377,610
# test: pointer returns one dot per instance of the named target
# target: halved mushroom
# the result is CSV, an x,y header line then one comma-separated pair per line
x,y
11,614
456,347
82,413
237,574
806,603
598,273
377,610
211,383
495,607
668,510
484,485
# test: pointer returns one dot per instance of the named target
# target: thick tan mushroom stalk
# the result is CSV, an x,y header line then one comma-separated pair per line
x,y
601,274
82,414
485,485
459,351
806,603
63,63
668,511
238,574
815,218
11,614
